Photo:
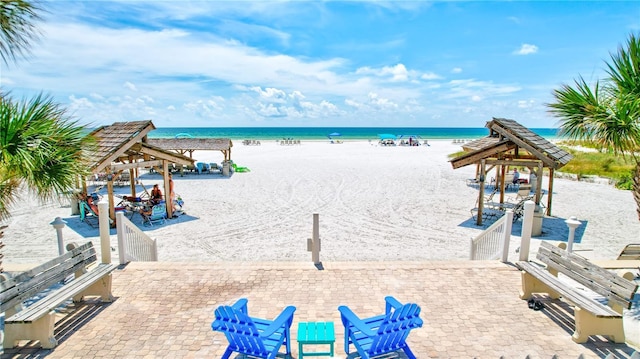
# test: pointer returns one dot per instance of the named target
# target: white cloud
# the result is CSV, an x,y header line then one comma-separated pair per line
x,y
130,86
397,73
478,89
271,94
526,49
430,76
526,103
456,70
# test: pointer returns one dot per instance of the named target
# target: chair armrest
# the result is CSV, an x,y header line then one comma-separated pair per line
x,y
241,305
349,317
285,319
391,303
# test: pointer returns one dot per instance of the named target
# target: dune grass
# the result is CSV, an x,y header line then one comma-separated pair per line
x,y
603,164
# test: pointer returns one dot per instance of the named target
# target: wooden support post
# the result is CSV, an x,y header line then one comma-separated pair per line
x,y
501,174
539,175
112,207
483,174
168,200
550,195
132,183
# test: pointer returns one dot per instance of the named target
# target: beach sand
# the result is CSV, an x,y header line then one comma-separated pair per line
x,y
375,203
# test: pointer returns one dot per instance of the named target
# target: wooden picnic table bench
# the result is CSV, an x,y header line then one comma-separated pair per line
x,y
591,316
36,322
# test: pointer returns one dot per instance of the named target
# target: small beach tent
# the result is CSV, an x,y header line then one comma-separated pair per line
x,y
334,134
387,139
412,139
387,136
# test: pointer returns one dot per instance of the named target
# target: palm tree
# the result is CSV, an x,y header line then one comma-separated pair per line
x,y
17,28
41,147
607,113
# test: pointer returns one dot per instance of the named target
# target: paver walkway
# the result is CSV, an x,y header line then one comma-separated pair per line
x,y
470,309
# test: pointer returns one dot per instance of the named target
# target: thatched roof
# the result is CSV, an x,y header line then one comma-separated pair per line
x,y
124,142
192,144
509,140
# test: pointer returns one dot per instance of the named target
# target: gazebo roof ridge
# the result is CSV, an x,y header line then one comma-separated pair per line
x,y
508,135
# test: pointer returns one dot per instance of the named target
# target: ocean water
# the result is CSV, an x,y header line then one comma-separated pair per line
x,y
322,133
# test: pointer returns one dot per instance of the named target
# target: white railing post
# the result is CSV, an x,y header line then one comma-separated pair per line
x,y
313,243
105,241
507,236
58,224
154,251
527,227
122,253
472,251
573,223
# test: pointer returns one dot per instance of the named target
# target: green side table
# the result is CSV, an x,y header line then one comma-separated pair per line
x,y
315,333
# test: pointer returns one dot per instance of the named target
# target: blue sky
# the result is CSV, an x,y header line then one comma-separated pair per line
x,y
318,63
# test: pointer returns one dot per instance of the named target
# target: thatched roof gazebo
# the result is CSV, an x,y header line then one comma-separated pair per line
x,y
124,146
184,145
510,144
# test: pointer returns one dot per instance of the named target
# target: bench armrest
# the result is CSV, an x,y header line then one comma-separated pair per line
x,y
349,317
284,320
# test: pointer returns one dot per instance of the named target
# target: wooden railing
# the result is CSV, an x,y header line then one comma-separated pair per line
x,y
493,243
134,244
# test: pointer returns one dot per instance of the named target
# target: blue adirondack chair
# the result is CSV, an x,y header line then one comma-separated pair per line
x,y
381,334
257,337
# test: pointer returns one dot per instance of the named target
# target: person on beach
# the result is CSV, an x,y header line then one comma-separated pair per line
x,y
172,194
516,176
156,195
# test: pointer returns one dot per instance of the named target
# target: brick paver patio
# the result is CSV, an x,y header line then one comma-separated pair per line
x,y
470,309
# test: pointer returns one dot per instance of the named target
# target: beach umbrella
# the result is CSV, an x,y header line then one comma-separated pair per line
x,y
334,134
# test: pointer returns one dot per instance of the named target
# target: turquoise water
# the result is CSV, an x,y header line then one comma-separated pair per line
x,y
321,133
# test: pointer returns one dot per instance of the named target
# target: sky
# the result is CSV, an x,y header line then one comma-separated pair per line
x,y
317,63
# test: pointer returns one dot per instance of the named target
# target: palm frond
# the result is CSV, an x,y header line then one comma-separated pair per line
x,y
18,29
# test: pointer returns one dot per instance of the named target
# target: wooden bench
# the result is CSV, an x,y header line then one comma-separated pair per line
x,y
591,316
36,322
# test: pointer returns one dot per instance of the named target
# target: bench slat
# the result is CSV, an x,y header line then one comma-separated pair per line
x,y
600,280
25,290
567,292
55,299
29,274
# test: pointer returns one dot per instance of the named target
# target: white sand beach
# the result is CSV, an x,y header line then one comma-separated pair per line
x,y
375,204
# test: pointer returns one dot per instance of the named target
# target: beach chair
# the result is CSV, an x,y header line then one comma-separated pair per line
x,y
382,334
251,336
524,191
158,215
202,167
